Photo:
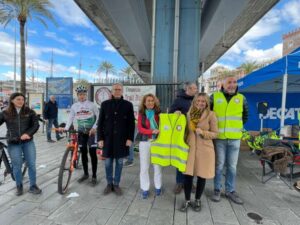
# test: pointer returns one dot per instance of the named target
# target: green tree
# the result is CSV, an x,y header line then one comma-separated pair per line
x,y
83,82
22,10
106,67
128,71
225,74
249,66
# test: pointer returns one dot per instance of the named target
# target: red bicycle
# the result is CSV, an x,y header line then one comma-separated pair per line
x,y
69,162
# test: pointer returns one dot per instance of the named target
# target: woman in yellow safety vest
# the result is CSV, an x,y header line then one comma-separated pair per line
x,y
203,127
148,121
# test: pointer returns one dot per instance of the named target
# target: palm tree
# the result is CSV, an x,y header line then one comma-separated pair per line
x,y
128,71
248,67
21,10
107,67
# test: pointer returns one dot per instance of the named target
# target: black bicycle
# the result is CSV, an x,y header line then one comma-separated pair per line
x,y
7,164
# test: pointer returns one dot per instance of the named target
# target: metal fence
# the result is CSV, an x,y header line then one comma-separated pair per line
x,y
166,93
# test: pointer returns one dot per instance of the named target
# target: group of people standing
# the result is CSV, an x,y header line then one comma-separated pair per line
x,y
215,126
214,130
213,135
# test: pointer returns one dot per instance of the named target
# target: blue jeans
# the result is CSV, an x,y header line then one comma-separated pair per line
x,y
179,177
49,127
227,153
131,149
16,153
109,170
131,153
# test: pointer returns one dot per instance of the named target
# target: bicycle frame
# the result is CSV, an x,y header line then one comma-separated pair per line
x,y
73,143
5,160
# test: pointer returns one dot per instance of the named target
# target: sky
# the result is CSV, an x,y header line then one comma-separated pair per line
x,y
264,40
77,39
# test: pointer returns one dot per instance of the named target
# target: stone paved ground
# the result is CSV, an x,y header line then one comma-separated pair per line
x,y
274,201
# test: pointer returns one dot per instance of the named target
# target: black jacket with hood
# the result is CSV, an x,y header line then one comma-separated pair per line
x,y
51,110
182,103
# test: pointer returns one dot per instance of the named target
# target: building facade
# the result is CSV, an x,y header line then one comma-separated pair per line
x,y
290,41
7,88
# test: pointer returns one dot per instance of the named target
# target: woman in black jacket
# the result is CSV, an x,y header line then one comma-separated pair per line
x,y
22,123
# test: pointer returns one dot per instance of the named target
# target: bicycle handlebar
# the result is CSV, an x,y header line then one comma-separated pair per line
x,y
66,131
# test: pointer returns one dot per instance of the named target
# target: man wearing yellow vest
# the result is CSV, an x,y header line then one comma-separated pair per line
x,y
231,109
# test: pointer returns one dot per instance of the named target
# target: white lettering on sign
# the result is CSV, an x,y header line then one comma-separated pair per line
x,y
275,113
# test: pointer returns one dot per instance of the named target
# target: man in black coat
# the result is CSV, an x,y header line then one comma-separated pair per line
x,y
115,132
50,116
183,103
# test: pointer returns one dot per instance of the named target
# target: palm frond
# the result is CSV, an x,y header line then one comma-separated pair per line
x,y
27,9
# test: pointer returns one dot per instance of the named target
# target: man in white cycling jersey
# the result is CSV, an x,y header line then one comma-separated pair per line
x,y
86,115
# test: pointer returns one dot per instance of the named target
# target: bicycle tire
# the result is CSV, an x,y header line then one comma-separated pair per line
x,y
61,186
24,169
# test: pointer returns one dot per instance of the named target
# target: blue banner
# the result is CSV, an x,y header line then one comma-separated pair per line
x,y
62,89
64,101
272,119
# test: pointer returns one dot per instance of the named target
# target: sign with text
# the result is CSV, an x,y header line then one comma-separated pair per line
x,y
273,115
132,93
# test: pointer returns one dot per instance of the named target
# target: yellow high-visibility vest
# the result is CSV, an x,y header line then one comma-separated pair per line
x,y
170,149
230,115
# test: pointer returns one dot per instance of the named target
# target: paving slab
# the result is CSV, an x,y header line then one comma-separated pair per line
x,y
274,201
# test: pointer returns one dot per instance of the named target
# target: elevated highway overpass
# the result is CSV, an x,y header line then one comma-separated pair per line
x,y
183,37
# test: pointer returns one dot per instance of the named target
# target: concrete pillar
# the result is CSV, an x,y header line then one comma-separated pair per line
x,y
188,42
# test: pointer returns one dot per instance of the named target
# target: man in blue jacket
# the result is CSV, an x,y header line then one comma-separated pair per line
x,y
50,116
183,103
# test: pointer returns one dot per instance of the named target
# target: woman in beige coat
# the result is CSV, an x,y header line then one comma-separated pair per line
x,y
203,127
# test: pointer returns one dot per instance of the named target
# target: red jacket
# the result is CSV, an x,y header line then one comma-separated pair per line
x,y
146,129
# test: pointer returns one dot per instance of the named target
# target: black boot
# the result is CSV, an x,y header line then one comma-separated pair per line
x,y
19,190
197,205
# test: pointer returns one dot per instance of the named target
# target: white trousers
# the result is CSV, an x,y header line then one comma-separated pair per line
x,y
144,148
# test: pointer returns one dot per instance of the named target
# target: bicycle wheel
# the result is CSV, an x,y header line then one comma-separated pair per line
x,y
24,169
65,173
3,169
9,168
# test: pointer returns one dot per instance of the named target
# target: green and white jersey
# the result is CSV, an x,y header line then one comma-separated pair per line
x,y
85,115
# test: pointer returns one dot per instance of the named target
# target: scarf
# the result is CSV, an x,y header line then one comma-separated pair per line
x,y
195,115
150,114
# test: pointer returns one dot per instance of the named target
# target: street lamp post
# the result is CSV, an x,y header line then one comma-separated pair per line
x,y
15,59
